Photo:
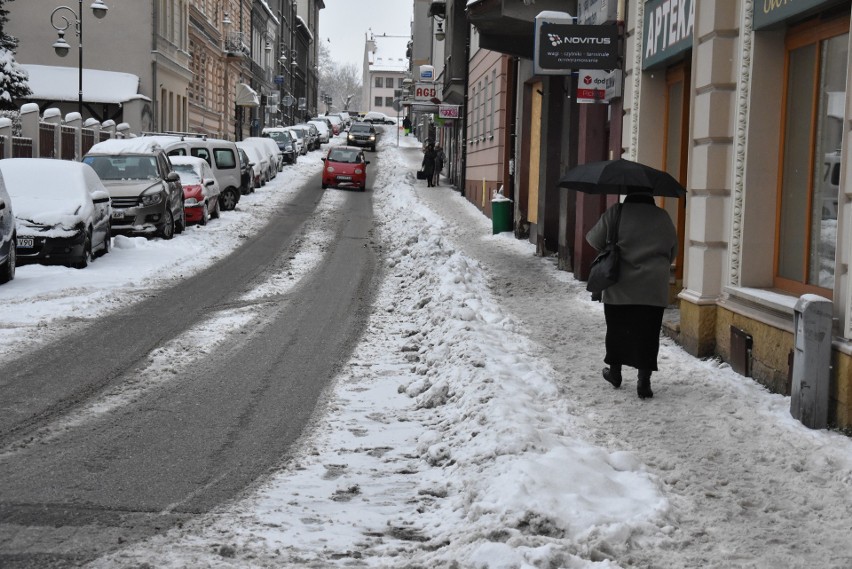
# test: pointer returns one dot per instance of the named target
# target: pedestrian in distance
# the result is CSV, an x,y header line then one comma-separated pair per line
x,y
633,306
440,158
406,124
428,165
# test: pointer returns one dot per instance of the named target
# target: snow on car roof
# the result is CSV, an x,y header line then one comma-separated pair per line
x,y
46,190
140,145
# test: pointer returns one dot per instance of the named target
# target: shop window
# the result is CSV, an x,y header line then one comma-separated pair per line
x,y
814,102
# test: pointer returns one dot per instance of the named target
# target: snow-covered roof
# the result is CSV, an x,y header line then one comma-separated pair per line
x,y
304,24
53,83
389,54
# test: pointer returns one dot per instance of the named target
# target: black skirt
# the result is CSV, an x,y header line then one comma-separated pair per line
x,y
633,335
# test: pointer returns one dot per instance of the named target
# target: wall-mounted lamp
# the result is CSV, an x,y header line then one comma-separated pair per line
x,y
439,33
226,21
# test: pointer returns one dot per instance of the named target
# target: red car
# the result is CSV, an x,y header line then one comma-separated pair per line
x,y
345,167
200,188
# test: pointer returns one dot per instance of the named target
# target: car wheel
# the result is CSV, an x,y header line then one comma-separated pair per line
x,y
180,224
216,210
167,229
363,187
325,186
228,200
107,244
7,270
87,256
205,214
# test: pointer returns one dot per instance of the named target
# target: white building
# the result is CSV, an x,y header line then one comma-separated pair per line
x,y
385,68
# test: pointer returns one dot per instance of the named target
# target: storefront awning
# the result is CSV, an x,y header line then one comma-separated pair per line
x,y
246,96
508,26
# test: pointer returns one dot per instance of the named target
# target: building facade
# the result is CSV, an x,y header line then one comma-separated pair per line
x,y
384,72
154,48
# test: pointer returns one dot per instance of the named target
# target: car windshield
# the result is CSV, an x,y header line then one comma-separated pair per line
x,y
279,136
123,167
345,155
187,174
360,128
299,133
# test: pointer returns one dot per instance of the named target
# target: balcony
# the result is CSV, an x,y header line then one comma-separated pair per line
x,y
236,44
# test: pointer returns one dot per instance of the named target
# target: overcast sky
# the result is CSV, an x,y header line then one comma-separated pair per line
x,y
345,23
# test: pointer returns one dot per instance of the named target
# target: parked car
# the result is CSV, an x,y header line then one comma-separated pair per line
x,y
345,117
147,196
7,235
269,149
285,141
221,155
336,124
322,127
301,137
311,135
327,122
259,161
345,167
315,134
200,188
246,178
362,134
62,211
376,117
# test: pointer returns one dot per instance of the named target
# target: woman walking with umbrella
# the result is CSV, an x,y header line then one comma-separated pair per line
x,y
647,242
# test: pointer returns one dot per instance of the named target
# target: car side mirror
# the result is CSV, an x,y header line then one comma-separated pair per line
x,y
100,196
172,177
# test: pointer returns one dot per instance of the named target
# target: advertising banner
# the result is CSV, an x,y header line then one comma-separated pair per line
x,y
427,91
591,86
448,111
561,47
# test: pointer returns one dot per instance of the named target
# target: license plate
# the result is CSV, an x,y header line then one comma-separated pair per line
x,y
26,242
118,215
344,177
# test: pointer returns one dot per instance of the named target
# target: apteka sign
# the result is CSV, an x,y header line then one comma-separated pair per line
x,y
561,46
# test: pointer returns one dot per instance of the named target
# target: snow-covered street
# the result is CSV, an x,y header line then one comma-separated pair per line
x,y
472,427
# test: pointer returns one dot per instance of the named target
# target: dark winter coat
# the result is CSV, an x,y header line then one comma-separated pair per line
x,y
429,161
648,242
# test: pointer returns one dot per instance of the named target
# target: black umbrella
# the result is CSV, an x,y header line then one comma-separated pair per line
x,y
621,177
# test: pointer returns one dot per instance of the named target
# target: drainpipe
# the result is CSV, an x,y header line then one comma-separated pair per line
x,y
463,173
155,88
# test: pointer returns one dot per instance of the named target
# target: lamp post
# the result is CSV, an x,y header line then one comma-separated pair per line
x,y
61,47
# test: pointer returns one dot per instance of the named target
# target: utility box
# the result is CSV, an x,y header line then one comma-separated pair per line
x,y
811,360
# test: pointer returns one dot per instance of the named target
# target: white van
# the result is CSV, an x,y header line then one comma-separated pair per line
x,y
221,155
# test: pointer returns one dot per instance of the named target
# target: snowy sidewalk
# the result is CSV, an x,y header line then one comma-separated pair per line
x,y
472,428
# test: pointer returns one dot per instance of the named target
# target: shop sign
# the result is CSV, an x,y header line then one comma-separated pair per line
x,y
591,12
591,85
427,91
614,85
769,12
448,111
669,26
427,73
561,46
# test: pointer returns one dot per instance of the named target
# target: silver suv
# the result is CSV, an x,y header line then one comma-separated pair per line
x,y
146,194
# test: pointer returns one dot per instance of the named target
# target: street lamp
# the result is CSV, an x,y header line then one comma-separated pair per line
x,y
61,22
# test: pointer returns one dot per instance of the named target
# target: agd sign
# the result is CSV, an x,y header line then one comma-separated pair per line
x,y
427,91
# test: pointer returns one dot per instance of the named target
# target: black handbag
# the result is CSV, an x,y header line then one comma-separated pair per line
x,y
605,267
421,175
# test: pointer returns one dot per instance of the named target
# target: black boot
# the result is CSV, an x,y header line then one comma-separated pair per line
x,y
643,388
613,375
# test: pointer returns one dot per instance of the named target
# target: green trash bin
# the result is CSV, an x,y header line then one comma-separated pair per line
x,y
501,215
